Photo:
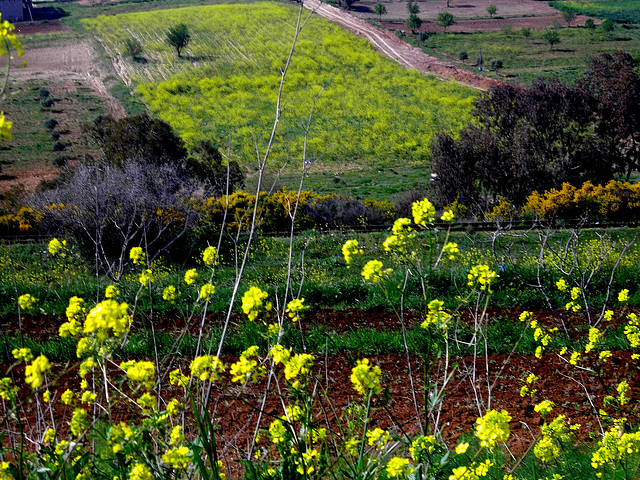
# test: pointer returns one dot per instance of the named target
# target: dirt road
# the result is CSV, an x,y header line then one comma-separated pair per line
x,y
406,55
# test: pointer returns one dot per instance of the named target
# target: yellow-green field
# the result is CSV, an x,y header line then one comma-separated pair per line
x,y
226,82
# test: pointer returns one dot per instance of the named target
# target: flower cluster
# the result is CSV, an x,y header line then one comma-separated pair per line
x,y
378,437
482,275
206,292
493,428
573,305
190,276
35,372
206,367
108,318
57,247
527,389
436,315
544,408
373,271
247,366
170,293
615,446
350,249
294,307
210,256
366,378
423,212
253,302
111,292
422,447
142,372
22,354
398,468
594,336
137,255
450,250
26,301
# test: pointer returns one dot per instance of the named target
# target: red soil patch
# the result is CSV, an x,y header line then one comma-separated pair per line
x,y
33,28
488,25
576,391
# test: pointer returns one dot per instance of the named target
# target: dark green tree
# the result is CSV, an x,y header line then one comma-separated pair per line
x,y
413,8
568,16
445,19
614,82
380,10
552,37
139,138
491,10
521,139
414,22
206,163
179,37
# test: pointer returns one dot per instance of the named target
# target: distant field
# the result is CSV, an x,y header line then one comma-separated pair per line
x,y
525,59
625,11
371,112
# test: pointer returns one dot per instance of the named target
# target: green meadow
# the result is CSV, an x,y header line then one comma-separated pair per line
x,y
224,87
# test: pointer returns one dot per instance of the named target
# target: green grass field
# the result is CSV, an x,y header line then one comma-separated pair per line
x,y
225,87
525,59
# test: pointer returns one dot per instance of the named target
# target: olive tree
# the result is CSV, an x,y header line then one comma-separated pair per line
x,y
179,37
445,19
380,10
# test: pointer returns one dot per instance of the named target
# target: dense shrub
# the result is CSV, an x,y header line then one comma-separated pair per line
x,y
50,123
613,201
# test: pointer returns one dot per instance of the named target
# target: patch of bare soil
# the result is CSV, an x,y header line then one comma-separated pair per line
x,y
429,9
70,72
488,25
577,391
33,28
75,63
398,50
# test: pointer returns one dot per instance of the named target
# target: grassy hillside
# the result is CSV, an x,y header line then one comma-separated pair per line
x,y
225,86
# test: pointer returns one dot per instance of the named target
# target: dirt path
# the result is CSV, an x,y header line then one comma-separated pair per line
x,y
406,55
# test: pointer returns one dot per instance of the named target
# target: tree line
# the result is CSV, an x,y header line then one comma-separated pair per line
x,y
525,139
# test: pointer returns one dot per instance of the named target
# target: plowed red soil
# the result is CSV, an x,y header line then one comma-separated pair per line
x,y
576,390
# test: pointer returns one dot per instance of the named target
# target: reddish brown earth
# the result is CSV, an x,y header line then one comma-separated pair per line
x,y
575,390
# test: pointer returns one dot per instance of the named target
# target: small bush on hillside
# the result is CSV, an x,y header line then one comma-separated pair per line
x,y
60,161
46,102
50,123
133,47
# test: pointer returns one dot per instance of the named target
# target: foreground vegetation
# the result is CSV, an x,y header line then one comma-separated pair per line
x,y
173,407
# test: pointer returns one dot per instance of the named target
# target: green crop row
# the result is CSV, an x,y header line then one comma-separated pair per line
x,y
227,81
